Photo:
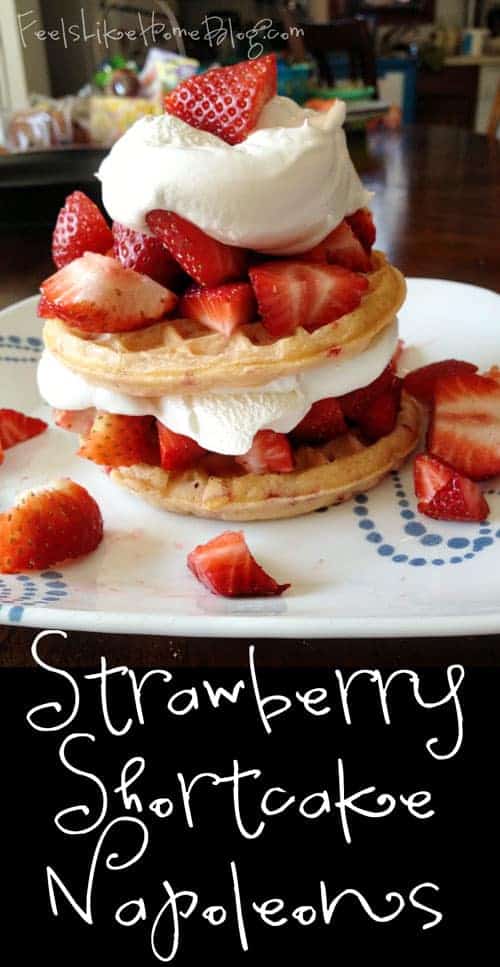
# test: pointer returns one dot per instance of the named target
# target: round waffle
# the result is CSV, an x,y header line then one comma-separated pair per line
x,y
325,475
178,356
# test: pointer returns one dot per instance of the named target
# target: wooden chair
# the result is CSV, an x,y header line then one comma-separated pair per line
x,y
350,36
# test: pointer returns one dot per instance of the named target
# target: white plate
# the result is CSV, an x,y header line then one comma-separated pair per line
x,y
371,567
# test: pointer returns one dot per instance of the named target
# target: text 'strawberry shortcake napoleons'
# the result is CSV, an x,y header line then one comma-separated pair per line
x,y
227,347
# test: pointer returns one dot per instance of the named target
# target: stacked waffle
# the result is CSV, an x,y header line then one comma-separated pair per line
x,y
228,354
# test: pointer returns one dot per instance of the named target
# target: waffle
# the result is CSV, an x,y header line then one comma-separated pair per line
x,y
325,475
180,356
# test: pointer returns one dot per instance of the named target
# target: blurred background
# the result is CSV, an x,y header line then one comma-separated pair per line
x,y
74,75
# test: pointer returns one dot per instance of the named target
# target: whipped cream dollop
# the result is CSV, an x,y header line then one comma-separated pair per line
x,y
280,191
226,421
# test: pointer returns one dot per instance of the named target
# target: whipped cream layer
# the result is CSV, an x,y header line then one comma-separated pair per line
x,y
280,191
225,421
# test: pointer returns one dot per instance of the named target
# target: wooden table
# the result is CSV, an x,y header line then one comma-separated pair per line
x,y
436,205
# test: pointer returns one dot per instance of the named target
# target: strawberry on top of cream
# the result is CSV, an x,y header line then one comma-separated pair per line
x,y
280,191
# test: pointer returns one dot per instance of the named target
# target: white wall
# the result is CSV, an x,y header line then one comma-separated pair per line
x,y
23,69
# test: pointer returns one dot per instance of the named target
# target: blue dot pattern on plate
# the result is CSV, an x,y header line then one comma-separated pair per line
x,y
19,591
470,540
20,349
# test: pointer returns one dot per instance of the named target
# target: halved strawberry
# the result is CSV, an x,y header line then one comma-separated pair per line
x,y
363,227
177,452
270,453
421,383
292,294
223,308
340,247
15,427
206,260
47,526
379,418
121,441
75,421
445,494
95,293
465,424
354,404
226,101
322,423
226,567
80,227
145,254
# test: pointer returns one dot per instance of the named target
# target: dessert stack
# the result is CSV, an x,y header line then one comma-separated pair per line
x,y
228,347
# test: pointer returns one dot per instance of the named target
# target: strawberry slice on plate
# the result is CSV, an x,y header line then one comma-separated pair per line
x,y
15,427
465,424
445,494
49,525
206,260
270,453
121,441
340,247
222,308
363,227
379,418
226,101
226,567
95,293
292,294
324,421
177,452
145,254
421,383
80,227
75,421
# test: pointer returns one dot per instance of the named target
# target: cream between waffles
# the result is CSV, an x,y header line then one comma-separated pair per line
x,y
232,356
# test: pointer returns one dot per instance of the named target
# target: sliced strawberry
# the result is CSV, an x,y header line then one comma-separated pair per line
x,y
445,494
226,101
340,247
355,403
363,227
145,254
95,293
80,227
206,260
421,383
121,441
226,567
380,417
47,526
465,424
177,452
222,308
75,421
15,427
322,423
429,476
292,294
270,453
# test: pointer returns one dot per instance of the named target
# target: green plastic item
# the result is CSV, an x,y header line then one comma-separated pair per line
x,y
344,93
